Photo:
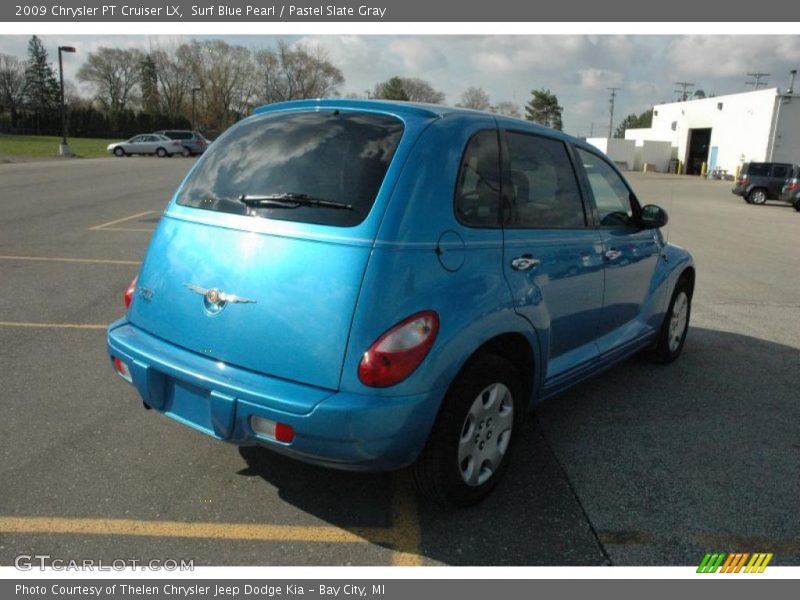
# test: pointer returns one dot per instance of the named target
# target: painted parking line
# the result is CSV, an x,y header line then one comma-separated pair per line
x,y
99,261
404,535
109,226
179,529
52,325
406,530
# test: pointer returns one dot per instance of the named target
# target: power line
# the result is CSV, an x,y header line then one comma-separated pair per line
x,y
684,91
757,79
613,91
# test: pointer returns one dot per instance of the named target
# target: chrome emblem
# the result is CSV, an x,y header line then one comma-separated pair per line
x,y
214,300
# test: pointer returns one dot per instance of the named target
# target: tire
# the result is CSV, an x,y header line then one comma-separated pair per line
x,y
675,326
119,152
797,205
757,196
472,441
186,152
161,153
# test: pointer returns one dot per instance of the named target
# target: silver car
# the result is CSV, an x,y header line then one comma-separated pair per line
x,y
148,143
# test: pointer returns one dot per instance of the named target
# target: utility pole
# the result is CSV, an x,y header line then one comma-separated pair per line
x,y
63,149
591,129
613,91
757,79
684,91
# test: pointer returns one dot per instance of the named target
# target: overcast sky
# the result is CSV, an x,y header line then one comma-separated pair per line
x,y
577,68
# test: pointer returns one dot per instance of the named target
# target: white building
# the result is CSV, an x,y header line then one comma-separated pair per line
x,y
726,131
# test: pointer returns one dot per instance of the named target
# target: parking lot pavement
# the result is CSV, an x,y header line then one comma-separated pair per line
x,y
642,465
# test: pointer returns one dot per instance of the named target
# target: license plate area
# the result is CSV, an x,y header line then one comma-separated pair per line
x,y
205,410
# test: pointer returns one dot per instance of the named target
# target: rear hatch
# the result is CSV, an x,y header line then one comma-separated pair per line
x,y
259,262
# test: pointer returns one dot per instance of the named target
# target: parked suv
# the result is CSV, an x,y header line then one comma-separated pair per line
x,y
761,181
791,189
193,141
368,285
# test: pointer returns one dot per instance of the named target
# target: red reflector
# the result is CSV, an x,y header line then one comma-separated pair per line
x,y
399,351
129,292
122,370
284,433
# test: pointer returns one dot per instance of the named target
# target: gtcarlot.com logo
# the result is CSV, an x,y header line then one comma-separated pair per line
x,y
735,562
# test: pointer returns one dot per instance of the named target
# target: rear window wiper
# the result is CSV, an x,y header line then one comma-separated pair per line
x,y
290,200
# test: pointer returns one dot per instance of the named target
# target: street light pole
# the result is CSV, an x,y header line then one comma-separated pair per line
x,y
63,149
194,116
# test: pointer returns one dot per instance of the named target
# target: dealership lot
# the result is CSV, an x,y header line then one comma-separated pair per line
x,y
642,465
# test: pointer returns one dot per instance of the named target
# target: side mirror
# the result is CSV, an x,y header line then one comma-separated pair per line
x,y
654,217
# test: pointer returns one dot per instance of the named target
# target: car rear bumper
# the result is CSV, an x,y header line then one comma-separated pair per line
x,y
336,429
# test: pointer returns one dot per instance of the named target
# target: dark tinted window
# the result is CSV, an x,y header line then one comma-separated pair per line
x,y
179,135
781,171
478,187
331,155
758,170
544,192
611,195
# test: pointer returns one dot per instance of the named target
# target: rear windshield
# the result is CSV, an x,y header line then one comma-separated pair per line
x,y
334,156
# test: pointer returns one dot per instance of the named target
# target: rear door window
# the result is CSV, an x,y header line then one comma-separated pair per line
x,y
780,171
758,170
331,156
544,191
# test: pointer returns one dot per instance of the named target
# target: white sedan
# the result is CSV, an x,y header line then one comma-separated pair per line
x,y
148,143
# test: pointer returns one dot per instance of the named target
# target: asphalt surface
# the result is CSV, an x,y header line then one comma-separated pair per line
x,y
643,465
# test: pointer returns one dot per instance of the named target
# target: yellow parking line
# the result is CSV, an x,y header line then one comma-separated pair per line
x,y
178,529
71,260
51,325
122,220
406,530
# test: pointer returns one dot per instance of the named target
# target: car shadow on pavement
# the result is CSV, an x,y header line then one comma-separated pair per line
x,y
642,465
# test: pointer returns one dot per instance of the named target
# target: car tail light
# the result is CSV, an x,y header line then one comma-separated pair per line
x,y
129,292
793,185
399,351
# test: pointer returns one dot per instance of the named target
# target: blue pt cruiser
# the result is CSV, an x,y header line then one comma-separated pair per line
x,y
370,285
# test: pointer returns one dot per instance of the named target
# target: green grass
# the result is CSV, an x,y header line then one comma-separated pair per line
x,y
45,146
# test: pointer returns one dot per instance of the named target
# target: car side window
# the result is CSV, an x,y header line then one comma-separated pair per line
x,y
781,171
477,200
544,191
611,195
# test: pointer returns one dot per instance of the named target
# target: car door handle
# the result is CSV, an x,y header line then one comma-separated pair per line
x,y
613,254
525,262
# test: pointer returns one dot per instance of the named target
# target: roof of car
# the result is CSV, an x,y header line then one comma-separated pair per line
x,y
418,109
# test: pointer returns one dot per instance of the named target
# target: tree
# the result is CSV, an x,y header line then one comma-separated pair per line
x,y
543,108
12,85
295,73
226,77
506,108
412,89
148,83
391,89
174,77
634,121
42,92
419,90
475,98
114,74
